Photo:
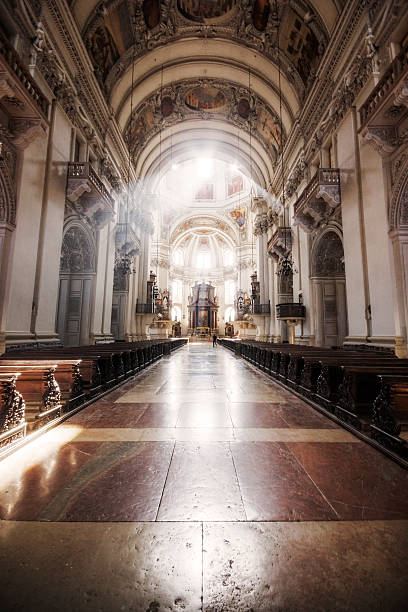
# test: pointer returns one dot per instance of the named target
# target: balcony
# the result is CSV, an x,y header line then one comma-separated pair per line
x,y
280,245
390,91
262,309
290,311
383,111
25,106
88,194
319,199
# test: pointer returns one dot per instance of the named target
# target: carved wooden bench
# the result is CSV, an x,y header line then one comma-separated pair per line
x,y
390,413
40,391
68,376
12,410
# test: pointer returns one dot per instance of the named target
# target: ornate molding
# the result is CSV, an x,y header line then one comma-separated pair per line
x,y
298,174
24,131
168,107
88,194
319,200
383,138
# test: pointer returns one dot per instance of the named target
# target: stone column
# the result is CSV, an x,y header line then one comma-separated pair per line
x,y
45,295
260,229
23,259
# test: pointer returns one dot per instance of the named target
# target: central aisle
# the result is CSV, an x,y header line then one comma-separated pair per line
x,y
202,485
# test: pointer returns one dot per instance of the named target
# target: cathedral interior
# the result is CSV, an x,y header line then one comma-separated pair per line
x,y
203,305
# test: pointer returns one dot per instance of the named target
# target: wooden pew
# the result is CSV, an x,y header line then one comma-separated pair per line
x,y
390,413
12,410
40,390
67,375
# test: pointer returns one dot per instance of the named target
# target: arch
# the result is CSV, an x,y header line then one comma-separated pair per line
x,y
78,250
77,274
229,315
328,287
398,212
328,254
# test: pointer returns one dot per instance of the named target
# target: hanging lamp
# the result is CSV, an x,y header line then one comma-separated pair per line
x,y
124,262
285,264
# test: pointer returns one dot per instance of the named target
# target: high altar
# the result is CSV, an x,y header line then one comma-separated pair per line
x,y
203,310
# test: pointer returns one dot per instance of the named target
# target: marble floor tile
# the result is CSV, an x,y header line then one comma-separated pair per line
x,y
302,415
302,567
358,481
158,415
201,484
274,486
123,482
204,415
109,415
256,414
100,567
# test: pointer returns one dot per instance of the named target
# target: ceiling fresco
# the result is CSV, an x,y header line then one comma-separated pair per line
x,y
205,98
205,11
108,32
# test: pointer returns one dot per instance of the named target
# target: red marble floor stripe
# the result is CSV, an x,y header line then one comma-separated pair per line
x,y
359,482
299,414
273,485
204,414
30,492
201,485
158,415
256,414
108,415
124,483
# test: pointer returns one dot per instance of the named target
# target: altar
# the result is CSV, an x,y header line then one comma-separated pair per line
x,y
203,310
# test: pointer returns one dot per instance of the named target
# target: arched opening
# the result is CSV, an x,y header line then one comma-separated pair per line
x,y
398,221
7,221
329,290
77,272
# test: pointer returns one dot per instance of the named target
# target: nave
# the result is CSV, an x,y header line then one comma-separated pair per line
x,y
201,484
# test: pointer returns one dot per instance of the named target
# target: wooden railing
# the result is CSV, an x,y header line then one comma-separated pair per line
x,y
291,310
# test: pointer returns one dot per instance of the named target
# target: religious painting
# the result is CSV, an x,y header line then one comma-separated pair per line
x,y
239,216
269,129
167,106
205,192
301,45
235,184
205,98
243,108
151,13
140,127
260,14
205,10
104,51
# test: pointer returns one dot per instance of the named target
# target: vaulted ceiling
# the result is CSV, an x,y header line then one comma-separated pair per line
x,y
182,74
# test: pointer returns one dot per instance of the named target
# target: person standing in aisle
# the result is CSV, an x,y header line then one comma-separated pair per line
x,y
214,340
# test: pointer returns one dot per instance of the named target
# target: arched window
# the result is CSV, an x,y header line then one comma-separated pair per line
x,y
203,260
228,257
229,314
230,289
177,290
176,314
178,257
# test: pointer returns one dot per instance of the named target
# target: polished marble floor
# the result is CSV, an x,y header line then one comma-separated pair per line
x,y
202,485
